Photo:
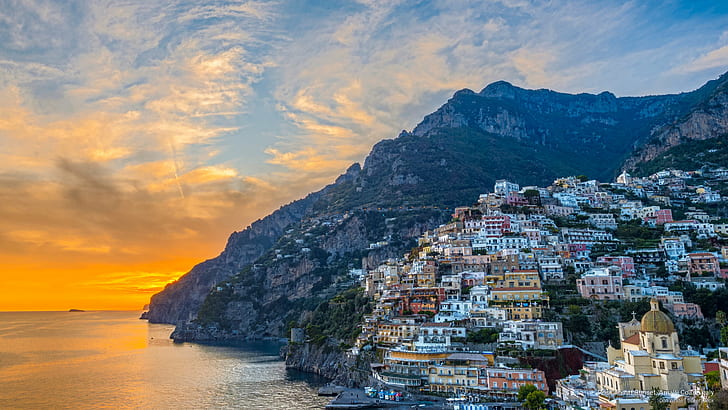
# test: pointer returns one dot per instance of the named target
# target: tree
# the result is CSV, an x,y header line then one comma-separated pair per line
x,y
525,390
719,400
657,400
720,318
713,380
535,400
724,335
485,335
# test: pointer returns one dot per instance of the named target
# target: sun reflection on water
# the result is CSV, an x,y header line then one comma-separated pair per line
x,y
114,360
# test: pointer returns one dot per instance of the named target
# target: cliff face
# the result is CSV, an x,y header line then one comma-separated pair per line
x,y
330,362
180,300
306,266
707,119
597,131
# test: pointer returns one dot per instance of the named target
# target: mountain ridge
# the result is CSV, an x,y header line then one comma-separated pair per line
x,y
451,156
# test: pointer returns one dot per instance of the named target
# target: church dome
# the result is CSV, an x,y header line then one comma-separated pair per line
x,y
656,321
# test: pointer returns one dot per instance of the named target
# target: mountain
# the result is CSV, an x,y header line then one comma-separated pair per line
x,y
280,267
180,300
706,118
689,155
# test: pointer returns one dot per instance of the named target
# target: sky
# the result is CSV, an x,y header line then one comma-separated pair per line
x,y
136,135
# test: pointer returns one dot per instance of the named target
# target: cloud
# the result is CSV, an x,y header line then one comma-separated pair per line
x,y
368,73
717,58
135,135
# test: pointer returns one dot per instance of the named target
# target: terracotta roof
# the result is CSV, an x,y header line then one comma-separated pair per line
x,y
633,340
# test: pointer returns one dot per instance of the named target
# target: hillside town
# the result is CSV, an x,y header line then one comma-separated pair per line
x,y
458,314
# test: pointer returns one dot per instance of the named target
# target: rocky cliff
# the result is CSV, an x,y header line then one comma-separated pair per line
x,y
707,118
330,362
180,300
308,265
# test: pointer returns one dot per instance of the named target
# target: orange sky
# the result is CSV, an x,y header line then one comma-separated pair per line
x,y
91,242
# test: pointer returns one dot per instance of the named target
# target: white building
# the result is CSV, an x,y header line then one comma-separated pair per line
x,y
503,187
532,334
437,336
674,248
602,221
496,244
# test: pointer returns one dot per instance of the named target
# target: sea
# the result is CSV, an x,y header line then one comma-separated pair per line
x,y
113,360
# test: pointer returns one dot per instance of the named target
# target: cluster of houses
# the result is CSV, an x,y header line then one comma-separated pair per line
x,y
485,270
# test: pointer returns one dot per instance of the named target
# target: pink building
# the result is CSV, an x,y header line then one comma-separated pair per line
x,y
601,284
516,199
578,250
506,379
685,310
660,217
663,216
624,263
703,263
496,225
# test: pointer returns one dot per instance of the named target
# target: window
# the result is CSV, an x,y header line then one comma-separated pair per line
x,y
495,384
662,365
664,343
674,365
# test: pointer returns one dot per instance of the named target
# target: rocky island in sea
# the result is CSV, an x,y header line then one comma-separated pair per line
x,y
464,246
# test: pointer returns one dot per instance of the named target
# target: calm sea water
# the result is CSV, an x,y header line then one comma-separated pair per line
x,y
113,360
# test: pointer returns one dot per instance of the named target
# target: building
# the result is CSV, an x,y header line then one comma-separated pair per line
x,y
458,373
684,226
685,310
510,380
407,368
624,178
659,217
399,330
649,357
438,335
503,187
601,283
496,244
532,334
703,264
551,268
674,248
519,293
624,263
602,221
723,356
585,236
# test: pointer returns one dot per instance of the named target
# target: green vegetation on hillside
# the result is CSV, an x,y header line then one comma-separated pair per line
x,y
338,318
688,156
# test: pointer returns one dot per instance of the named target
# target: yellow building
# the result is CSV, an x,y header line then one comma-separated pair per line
x,y
520,294
400,331
458,371
649,357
